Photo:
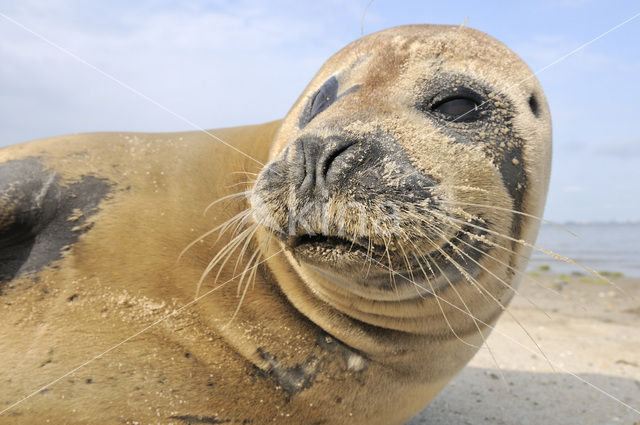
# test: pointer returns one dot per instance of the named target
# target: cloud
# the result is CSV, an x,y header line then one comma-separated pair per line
x,y
572,147
568,3
629,149
573,189
620,149
542,50
216,63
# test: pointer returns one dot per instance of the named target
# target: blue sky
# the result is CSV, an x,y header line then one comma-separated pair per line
x,y
223,63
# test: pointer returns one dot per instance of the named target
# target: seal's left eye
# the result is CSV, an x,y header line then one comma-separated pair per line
x,y
458,108
324,97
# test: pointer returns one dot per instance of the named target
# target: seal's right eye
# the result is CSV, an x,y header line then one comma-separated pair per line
x,y
324,97
458,108
462,103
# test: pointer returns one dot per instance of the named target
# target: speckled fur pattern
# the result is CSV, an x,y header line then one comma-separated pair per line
x,y
320,332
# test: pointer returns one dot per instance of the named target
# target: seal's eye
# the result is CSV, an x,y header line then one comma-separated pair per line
x,y
458,108
326,95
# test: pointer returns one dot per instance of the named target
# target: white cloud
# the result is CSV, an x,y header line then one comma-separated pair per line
x,y
620,148
543,50
568,3
573,189
217,64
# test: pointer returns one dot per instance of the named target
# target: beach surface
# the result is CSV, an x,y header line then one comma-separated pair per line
x,y
588,330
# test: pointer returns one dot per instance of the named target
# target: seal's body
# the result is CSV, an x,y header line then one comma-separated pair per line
x,y
346,283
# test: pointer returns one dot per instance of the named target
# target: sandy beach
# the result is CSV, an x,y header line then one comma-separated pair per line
x,y
585,327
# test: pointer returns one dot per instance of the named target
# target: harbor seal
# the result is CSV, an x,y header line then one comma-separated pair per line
x,y
355,256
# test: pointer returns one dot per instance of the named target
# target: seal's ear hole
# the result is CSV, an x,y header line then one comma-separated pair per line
x,y
324,97
533,104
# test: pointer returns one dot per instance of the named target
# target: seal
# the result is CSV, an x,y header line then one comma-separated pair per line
x,y
355,256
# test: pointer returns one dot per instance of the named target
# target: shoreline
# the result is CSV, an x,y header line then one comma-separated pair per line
x,y
585,327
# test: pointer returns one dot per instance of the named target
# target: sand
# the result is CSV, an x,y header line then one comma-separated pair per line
x,y
586,328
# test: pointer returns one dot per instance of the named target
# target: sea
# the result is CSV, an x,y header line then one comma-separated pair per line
x,y
608,247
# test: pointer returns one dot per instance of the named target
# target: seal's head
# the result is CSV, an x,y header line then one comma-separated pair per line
x,y
412,150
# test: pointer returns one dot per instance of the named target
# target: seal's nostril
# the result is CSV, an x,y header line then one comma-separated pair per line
x,y
329,159
317,161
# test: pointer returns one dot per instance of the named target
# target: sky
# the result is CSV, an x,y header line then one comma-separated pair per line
x,y
156,66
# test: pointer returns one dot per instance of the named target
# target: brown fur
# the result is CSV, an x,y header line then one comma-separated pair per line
x,y
361,358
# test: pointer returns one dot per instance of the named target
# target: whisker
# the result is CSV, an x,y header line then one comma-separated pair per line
x,y
475,322
502,306
225,252
544,220
409,268
493,244
247,183
246,234
369,250
545,251
482,239
437,298
391,275
470,188
224,198
238,216
246,288
510,287
235,225
243,250
438,302
244,172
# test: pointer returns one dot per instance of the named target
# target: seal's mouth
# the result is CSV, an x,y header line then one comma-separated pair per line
x,y
338,244
319,240
387,272
464,246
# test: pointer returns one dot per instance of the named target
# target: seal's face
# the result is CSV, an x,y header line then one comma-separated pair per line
x,y
403,157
